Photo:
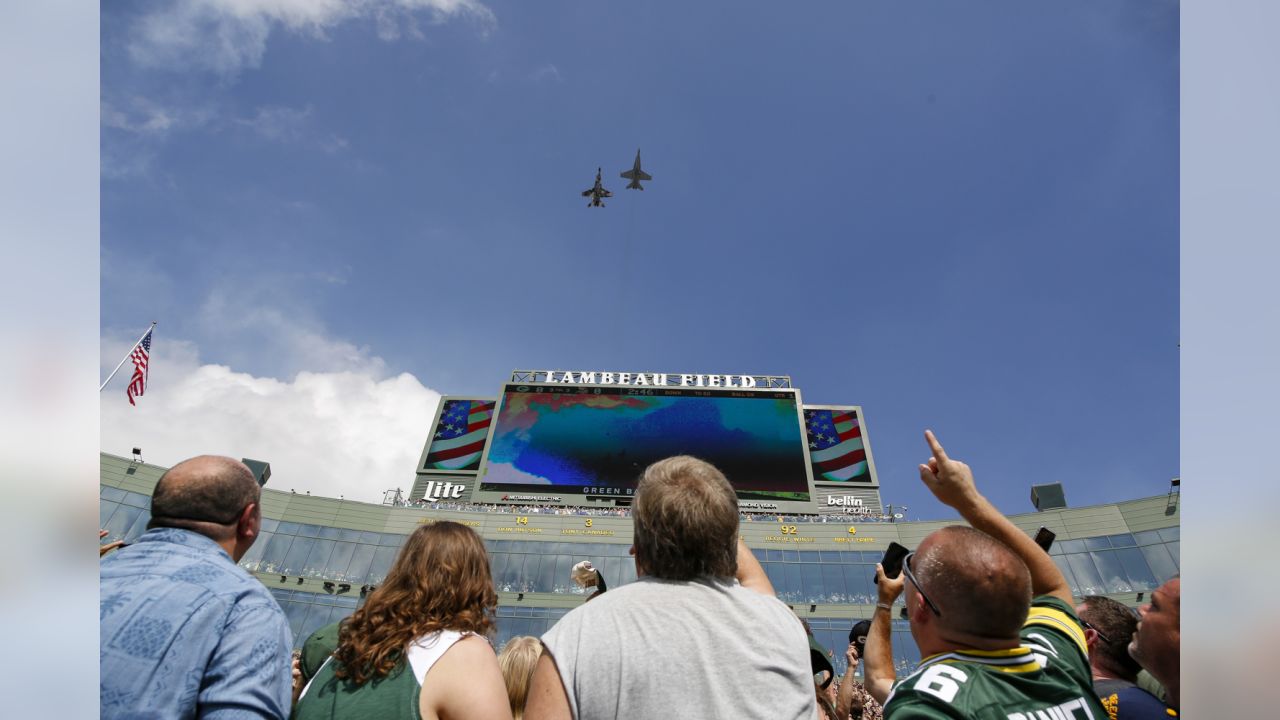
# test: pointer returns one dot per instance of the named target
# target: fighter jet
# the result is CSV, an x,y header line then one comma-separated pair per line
x,y
635,174
597,193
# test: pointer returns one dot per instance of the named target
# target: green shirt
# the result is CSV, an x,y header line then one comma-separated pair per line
x,y
1046,678
393,697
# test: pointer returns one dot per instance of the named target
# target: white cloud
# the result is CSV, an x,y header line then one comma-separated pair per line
x,y
141,116
347,432
546,73
226,36
277,122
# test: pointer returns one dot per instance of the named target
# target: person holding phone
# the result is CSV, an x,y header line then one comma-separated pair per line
x,y
991,614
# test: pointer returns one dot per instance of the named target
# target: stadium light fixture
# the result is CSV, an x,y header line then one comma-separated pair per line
x,y
137,454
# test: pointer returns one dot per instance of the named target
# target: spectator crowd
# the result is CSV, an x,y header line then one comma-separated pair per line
x,y
186,633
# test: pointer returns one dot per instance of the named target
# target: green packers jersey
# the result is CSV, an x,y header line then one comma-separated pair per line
x,y
1046,678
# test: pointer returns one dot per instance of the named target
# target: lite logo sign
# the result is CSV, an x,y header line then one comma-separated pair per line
x,y
442,491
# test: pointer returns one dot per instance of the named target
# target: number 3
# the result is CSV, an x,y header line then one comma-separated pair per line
x,y
588,522
941,681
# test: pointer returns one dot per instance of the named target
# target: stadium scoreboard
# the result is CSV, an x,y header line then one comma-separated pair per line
x,y
584,439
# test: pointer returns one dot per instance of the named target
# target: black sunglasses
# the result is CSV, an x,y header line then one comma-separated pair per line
x,y
906,569
1101,634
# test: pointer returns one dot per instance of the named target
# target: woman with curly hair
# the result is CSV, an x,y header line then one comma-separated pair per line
x,y
418,647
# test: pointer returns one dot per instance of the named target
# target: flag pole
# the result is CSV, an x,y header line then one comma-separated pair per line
x,y
126,356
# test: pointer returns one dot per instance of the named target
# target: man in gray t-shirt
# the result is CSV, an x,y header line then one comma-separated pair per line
x,y
700,634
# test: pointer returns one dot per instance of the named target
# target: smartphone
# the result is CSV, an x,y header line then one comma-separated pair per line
x,y
1045,537
892,561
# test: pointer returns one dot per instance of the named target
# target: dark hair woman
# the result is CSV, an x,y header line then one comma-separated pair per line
x,y
418,647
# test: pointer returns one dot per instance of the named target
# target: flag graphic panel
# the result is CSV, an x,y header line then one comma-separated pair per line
x,y
836,445
460,435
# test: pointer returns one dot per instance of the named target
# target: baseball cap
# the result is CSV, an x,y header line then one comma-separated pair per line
x,y
858,635
820,662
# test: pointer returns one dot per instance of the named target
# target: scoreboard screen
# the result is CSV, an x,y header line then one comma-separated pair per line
x,y
572,439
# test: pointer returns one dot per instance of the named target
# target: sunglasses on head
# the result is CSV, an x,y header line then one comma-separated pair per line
x,y
906,569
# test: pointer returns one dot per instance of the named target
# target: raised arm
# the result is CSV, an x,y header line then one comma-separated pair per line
x,y
848,684
879,674
951,481
750,573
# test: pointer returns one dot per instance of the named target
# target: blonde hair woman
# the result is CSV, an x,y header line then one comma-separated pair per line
x,y
517,661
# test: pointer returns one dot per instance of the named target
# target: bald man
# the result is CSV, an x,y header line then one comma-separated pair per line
x,y
991,614
185,632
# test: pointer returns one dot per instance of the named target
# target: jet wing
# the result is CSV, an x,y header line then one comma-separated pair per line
x,y
605,193
587,192
636,175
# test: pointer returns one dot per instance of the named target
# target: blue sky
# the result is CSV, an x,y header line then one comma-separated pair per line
x,y
958,217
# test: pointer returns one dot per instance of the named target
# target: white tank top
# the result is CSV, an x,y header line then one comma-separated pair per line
x,y
422,654
426,650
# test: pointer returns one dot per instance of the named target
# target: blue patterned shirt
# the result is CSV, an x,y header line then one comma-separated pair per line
x,y
187,633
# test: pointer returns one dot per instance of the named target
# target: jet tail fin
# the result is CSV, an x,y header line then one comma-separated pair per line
x,y
634,184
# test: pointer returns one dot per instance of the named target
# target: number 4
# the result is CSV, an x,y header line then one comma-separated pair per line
x,y
941,681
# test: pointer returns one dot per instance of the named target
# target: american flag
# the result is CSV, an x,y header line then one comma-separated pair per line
x,y
141,357
835,445
460,435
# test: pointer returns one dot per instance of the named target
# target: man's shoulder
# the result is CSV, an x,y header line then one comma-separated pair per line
x,y
1134,703
1052,626
190,576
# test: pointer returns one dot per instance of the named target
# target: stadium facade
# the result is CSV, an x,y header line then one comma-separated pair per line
x,y
817,533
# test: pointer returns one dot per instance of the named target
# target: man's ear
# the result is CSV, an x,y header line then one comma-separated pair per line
x,y
921,612
1090,638
249,522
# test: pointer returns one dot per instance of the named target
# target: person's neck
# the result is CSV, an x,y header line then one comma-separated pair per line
x,y
1101,673
230,546
960,643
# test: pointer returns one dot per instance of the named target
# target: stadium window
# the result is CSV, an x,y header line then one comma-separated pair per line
x,y
341,560
1121,540
114,494
1147,537
1111,571
1135,566
361,560
1097,543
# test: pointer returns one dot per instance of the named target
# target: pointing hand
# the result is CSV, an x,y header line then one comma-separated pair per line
x,y
951,481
